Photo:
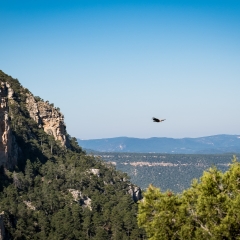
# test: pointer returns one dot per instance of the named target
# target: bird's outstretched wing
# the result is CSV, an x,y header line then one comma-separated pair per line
x,y
158,120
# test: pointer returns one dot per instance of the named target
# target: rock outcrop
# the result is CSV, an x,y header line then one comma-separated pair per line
x,y
29,205
48,117
8,146
80,198
12,97
135,192
95,171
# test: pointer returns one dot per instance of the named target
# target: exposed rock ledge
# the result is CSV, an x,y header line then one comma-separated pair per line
x,y
78,197
8,146
48,117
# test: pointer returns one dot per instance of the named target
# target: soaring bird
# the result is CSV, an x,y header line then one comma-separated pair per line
x,y
158,120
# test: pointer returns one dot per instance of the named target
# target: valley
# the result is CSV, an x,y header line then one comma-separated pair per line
x,y
165,171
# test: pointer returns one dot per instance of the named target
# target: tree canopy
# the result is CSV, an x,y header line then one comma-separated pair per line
x,y
209,209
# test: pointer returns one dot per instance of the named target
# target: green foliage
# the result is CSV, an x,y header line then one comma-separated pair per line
x,y
36,194
38,99
209,209
41,199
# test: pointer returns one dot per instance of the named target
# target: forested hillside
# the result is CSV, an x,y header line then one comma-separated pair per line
x,y
50,188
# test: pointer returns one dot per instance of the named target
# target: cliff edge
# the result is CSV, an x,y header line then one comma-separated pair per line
x,y
18,104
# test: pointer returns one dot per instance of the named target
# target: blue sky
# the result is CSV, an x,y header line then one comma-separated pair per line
x,y
110,66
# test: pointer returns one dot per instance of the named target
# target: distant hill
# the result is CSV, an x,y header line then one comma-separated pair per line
x,y
202,145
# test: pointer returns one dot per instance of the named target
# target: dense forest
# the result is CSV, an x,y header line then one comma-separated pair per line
x,y
165,171
209,209
57,192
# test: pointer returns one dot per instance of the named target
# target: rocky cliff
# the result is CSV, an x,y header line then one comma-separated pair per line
x,y
18,103
47,117
8,146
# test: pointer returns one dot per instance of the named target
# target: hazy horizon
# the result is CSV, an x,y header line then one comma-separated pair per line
x,y
238,136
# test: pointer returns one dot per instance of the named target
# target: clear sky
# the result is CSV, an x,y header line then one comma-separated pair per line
x,y
110,66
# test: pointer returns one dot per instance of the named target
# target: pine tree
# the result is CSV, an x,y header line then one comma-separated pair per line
x,y
209,209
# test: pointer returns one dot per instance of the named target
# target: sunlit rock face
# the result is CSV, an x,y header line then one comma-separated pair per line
x,y
8,146
80,198
44,114
48,117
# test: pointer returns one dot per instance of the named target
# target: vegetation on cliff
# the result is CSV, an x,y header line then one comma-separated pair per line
x,y
59,192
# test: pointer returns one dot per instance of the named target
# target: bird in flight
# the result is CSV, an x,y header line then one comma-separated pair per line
x,y
158,120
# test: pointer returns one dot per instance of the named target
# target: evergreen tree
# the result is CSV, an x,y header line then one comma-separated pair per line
x,y
209,209
37,194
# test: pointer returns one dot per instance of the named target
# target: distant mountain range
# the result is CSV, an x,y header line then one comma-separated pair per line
x,y
202,145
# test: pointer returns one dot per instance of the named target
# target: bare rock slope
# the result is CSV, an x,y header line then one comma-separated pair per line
x,y
8,147
47,117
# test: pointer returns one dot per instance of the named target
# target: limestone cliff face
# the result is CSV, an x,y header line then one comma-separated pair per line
x,y
12,95
47,117
8,146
